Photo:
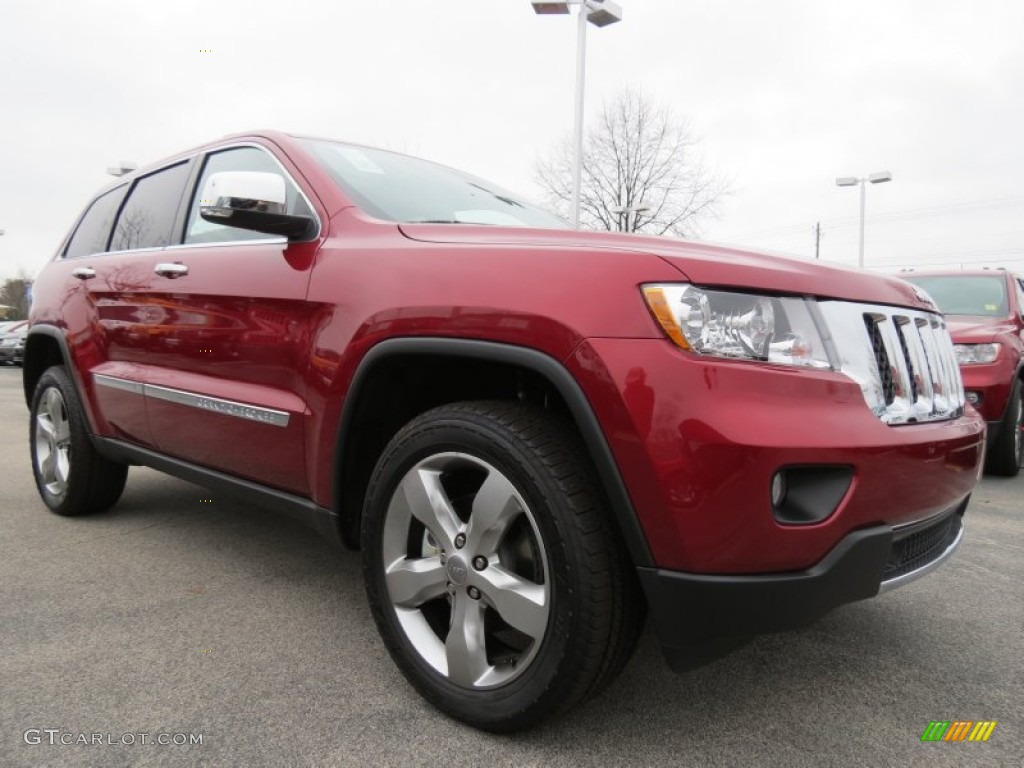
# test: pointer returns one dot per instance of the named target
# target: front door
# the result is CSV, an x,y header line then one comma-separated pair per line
x,y
230,308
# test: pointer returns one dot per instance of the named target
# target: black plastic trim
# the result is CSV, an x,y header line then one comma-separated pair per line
x,y
320,519
540,363
813,492
699,617
44,329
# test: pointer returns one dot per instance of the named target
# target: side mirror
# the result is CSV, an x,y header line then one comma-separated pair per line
x,y
252,200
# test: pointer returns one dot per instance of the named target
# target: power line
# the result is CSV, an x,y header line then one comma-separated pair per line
x,y
890,216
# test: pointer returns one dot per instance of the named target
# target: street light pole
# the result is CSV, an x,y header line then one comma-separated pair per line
x,y
851,181
581,65
863,207
600,13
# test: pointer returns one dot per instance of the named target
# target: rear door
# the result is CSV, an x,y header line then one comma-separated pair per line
x,y
121,235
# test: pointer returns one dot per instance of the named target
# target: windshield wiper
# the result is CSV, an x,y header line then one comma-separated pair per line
x,y
452,221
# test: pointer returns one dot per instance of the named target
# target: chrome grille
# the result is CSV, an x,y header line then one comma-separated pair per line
x,y
902,359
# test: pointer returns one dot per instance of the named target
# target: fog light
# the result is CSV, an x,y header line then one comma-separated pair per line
x,y
809,494
778,489
973,397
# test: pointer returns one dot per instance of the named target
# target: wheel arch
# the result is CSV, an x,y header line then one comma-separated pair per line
x,y
369,418
45,347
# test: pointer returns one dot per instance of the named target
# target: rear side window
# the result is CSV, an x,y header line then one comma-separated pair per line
x,y
199,230
93,230
147,218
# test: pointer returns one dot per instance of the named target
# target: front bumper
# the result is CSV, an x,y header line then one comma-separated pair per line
x,y
700,617
990,384
699,441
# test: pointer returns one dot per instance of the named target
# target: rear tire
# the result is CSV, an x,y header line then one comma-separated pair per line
x,y
71,476
493,568
1006,453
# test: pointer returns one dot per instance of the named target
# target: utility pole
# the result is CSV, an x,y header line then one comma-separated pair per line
x,y
817,239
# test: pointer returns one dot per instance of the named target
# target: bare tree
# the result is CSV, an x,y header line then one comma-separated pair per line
x,y
641,172
14,295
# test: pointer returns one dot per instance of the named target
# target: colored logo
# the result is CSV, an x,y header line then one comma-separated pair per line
x,y
958,730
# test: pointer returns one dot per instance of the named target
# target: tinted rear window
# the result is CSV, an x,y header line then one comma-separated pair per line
x,y
94,229
147,218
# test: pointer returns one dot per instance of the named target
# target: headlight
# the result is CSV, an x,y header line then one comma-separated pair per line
x,y
970,354
741,326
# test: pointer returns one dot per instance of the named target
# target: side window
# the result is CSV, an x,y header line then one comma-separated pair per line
x,y
199,230
94,229
147,218
1020,295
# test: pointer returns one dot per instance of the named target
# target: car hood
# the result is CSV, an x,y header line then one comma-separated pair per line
x,y
967,330
702,263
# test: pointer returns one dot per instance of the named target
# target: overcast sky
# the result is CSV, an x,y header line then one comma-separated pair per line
x,y
786,95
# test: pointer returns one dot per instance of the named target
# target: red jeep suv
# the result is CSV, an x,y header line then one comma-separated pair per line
x,y
985,311
534,435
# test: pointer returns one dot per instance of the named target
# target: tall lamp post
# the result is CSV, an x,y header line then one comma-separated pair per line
x,y
853,181
600,13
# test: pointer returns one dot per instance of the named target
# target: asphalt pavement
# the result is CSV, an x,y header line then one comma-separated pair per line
x,y
186,615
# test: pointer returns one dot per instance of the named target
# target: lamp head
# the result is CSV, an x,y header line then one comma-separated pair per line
x,y
601,13
547,8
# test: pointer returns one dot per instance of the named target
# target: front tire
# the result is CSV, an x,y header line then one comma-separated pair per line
x,y
492,567
1006,453
71,476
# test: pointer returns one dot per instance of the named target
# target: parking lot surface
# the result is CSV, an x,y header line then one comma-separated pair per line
x,y
184,612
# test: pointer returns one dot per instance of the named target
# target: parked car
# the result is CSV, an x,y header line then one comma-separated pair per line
x,y
985,311
534,435
12,343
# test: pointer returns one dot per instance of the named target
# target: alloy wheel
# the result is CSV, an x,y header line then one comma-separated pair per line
x,y
53,442
466,570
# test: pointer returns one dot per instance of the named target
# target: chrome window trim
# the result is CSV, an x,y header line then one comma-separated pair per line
x,y
219,405
229,243
202,153
151,249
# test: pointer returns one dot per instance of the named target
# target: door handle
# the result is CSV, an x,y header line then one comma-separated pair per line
x,y
83,273
171,270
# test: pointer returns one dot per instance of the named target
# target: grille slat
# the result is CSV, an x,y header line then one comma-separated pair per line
x,y
903,360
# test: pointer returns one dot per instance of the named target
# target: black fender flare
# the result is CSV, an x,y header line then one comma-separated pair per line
x,y
55,333
540,363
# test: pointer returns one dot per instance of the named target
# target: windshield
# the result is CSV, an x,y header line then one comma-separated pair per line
x,y
966,294
396,187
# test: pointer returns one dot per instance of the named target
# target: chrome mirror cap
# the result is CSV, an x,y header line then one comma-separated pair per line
x,y
232,191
